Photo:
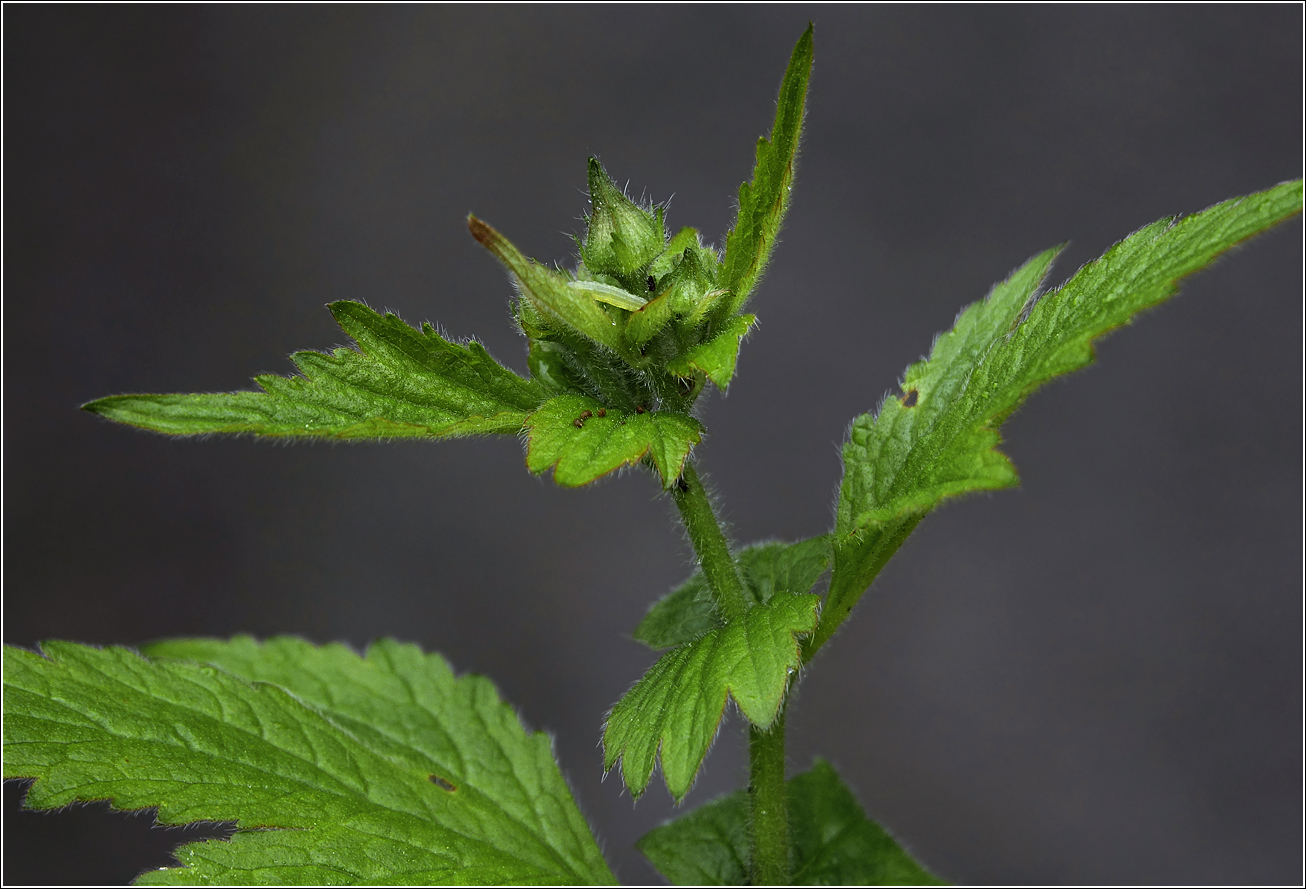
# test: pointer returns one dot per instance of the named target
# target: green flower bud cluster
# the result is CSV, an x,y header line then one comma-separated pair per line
x,y
637,305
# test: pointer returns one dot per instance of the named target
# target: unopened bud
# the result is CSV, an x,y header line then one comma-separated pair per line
x,y
621,239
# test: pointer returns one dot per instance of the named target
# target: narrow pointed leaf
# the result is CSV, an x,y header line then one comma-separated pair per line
x,y
549,292
380,769
940,438
716,358
569,435
672,714
834,843
763,202
688,612
400,383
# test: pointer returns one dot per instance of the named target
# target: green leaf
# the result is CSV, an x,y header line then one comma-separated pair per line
x,y
582,440
688,611
550,292
762,204
380,769
679,703
834,843
717,356
400,383
940,438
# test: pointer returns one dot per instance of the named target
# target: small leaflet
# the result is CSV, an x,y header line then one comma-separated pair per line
x,y
581,440
672,714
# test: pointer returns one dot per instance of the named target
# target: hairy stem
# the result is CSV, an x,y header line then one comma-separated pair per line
x,y
769,823
766,749
709,544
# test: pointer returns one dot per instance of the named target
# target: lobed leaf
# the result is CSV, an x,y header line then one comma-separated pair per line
x,y
763,202
570,435
673,712
716,357
384,768
834,843
940,438
688,611
400,383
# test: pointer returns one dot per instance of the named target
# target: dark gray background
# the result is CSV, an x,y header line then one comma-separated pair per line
x,y
1094,678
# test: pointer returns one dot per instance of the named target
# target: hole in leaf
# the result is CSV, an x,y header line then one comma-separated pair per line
x,y
909,400
443,784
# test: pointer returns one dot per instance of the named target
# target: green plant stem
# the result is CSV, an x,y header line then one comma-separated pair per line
x,y
853,577
770,810
766,749
709,544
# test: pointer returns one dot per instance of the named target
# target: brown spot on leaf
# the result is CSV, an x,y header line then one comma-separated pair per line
x,y
909,400
585,415
443,784
603,412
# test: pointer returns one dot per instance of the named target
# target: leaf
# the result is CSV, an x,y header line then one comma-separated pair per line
x,y
380,769
688,612
763,202
401,383
581,449
940,439
549,292
834,843
717,356
679,702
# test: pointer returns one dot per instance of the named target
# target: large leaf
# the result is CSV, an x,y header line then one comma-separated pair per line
x,y
383,769
581,440
834,843
679,703
400,383
688,611
763,202
940,438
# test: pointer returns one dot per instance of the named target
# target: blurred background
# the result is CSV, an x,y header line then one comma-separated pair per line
x,y
1093,679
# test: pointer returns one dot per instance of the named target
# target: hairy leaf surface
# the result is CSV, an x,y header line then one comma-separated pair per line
x,y
834,843
400,383
681,699
716,358
383,769
688,612
569,435
763,202
940,438
549,292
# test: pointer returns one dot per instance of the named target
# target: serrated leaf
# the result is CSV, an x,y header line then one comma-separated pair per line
x,y
834,843
672,714
940,438
550,292
716,358
763,202
569,435
381,769
688,611
400,383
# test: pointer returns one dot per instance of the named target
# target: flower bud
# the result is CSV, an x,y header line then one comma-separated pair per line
x,y
621,239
